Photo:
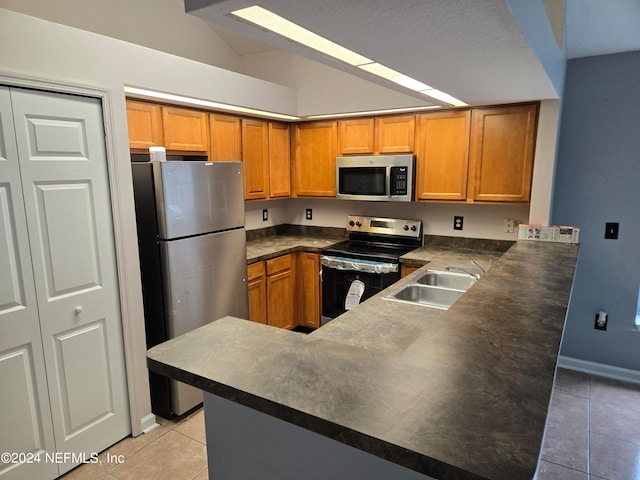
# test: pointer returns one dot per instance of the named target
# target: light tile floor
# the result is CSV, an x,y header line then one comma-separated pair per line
x,y
593,433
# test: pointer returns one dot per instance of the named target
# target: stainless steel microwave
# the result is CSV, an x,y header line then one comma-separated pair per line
x,y
385,178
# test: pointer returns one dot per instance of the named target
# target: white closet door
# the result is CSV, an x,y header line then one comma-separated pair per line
x,y
25,416
63,166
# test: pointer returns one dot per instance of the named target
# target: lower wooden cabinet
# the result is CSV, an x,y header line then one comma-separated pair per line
x,y
281,286
408,269
257,286
284,291
309,301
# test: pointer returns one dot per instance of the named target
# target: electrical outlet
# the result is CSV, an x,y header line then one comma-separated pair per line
x,y
458,223
308,214
611,231
601,321
265,215
509,225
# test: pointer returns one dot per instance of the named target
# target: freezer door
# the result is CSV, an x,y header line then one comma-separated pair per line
x,y
195,197
205,278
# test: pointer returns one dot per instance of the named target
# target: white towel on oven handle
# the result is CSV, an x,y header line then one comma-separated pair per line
x,y
354,295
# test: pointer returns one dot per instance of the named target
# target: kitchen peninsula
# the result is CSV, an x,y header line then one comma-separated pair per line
x,y
388,390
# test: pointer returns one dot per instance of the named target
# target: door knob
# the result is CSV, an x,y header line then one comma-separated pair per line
x,y
78,310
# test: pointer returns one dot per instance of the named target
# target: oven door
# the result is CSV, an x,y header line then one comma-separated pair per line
x,y
338,274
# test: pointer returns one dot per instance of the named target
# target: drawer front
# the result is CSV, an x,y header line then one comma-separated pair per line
x,y
279,264
255,270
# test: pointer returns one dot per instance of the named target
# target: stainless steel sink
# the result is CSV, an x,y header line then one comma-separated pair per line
x,y
456,281
427,296
435,289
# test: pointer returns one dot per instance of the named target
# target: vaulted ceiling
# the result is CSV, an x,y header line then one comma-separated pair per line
x,y
480,51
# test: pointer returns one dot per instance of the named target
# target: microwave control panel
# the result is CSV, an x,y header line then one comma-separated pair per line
x,y
399,181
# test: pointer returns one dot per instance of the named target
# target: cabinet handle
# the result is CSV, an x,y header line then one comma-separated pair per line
x,y
78,310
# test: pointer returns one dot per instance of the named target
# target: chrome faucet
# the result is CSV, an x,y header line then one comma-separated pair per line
x,y
448,268
478,266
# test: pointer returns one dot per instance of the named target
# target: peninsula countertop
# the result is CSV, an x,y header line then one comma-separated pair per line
x,y
455,394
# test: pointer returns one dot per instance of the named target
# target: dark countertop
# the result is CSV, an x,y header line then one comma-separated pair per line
x,y
272,246
456,394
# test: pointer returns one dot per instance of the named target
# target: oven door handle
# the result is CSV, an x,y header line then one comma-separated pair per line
x,y
356,265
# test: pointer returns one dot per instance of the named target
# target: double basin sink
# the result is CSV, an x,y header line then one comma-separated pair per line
x,y
435,289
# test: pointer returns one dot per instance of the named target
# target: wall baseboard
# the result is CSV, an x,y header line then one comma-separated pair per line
x,y
599,369
148,423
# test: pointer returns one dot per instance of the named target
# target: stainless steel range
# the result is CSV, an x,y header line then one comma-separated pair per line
x,y
367,263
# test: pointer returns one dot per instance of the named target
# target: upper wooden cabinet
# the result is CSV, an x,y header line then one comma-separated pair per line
x,y
383,135
501,153
356,136
185,130
255,158
144,121
395,134
314,162
442,155
279,160
225,138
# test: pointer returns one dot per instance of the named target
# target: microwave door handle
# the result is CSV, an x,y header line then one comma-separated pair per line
x,y
388,183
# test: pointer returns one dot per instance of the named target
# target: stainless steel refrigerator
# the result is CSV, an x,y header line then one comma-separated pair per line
x,y
192,243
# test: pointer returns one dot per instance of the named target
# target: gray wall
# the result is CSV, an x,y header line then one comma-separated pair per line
x,y
598,181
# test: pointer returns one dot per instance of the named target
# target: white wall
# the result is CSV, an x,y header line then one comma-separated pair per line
x,y
159,24
480,221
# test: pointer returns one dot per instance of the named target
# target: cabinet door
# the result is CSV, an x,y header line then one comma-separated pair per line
x,y
279,160
407,269
185,130
255,158
356,136
502,148
442,156
226,138
395,134
257,286
314,165
281,292
144,122
308,276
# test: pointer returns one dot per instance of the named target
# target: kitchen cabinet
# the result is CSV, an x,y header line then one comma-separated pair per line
x,y
501,153
144,122
225,138
395,134
356,137
279,160
257,286
408,268
309,301
281,288
314,162
185,130
442,155
382,135
255,158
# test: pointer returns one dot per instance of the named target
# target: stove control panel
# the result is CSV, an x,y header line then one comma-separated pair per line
x,y
384,226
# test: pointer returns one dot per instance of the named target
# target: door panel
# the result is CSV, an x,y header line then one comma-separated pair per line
x,y
64,208
83,354
64,175
25,416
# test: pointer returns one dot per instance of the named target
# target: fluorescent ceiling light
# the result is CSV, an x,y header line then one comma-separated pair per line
x,y
443,97
275,23
372,112
140,92
393,76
